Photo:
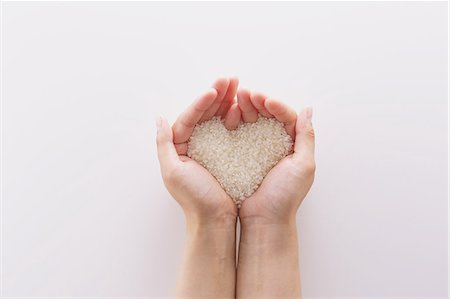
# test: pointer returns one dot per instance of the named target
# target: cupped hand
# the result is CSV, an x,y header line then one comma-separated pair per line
x,y
283,189
193,187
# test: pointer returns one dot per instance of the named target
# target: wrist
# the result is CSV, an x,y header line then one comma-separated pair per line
x,y
212,239
200,223
279,221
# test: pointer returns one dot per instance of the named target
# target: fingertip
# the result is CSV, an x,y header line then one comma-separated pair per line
x,y
258,101
221,80
158,122
233,117
249,113
305,135
212,92
221,83
167,153
205,101
234,83
234,79
221,87
160,130
300,119
164,127
229,98
283,114
305,116
309,112
233,87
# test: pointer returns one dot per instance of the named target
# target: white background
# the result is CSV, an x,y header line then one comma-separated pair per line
x,y
84,210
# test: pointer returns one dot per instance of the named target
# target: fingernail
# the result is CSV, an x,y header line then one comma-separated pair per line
x,y
158,121
309,113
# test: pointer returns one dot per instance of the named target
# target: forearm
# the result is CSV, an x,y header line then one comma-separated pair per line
x,y
209,263
268,265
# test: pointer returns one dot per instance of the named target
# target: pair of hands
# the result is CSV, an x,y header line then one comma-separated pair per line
x,y
198,192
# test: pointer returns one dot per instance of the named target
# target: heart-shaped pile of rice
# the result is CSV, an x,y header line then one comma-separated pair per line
x,y
239,159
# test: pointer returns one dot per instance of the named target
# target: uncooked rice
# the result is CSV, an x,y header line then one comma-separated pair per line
x,y
239,159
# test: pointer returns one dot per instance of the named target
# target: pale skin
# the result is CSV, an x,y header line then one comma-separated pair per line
x,y
268,262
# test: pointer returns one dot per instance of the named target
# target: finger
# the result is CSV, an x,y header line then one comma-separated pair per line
x,y
233,117
185,123
249,112
181,148
167,154
304,139
221,85
284,114
258,100
228,99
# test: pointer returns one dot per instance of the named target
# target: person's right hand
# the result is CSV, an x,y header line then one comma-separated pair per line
x,y
200,195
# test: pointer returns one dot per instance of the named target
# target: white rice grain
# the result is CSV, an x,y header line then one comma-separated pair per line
x,y
239,159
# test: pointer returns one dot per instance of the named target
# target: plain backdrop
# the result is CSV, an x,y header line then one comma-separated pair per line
x,y
84,210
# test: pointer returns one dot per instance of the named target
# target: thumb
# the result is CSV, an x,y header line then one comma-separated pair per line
x,y
304,138
167,154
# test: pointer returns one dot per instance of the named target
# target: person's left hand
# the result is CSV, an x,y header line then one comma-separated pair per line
x,y
285,186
